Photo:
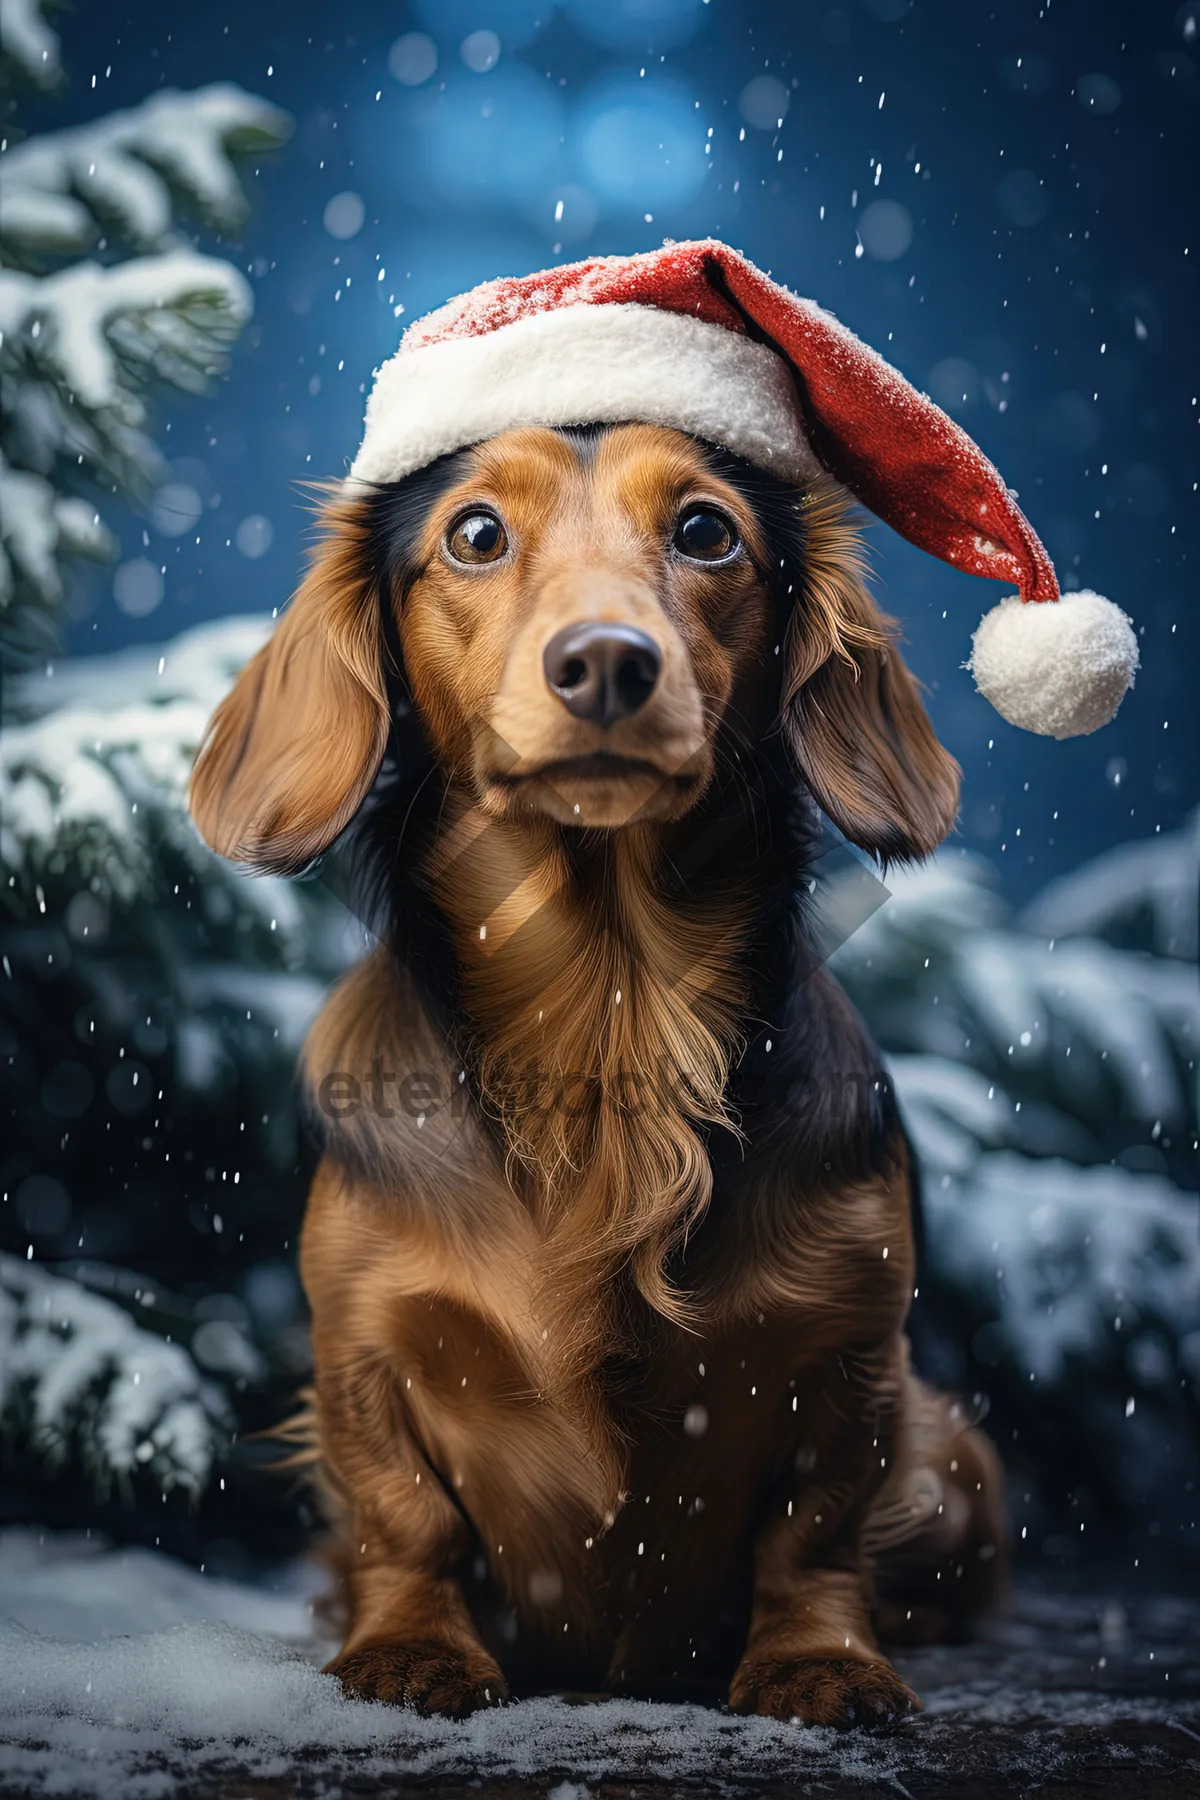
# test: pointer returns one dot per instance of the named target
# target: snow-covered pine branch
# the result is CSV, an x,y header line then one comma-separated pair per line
x,y
95,826
1048,1087
81,1382
1141,896
77,351
1077,1288
39,529
124,175
1057,1254
81,346
28,43
96,774
97,334
1073,1261
172,990
1074,1034
152,1004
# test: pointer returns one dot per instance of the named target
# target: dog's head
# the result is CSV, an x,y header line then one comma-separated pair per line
x,y
589,623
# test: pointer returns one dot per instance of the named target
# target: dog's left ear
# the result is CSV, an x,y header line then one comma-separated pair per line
x,y
851,714
290,754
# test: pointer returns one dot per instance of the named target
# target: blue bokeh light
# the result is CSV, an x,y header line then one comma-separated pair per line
x,y
488,137
640,143
515,22
627,24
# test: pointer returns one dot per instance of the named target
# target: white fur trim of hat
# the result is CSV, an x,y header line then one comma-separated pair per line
x,y
584,365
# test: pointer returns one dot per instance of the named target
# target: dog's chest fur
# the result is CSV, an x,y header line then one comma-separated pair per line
x,y
604,1015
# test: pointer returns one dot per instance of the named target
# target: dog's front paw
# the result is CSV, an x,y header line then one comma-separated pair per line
x,y
841,1691
426,1673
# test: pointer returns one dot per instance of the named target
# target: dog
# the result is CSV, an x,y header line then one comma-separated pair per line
x,y
610,1251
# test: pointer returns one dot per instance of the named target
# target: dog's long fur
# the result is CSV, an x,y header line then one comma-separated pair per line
x,y
610,1262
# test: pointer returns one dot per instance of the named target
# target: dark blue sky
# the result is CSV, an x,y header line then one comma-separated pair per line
x,y
1033,265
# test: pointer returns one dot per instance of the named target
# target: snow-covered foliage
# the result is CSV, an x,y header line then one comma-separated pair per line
x,y
125,172
81,346
80,1382
95,828
1070,1250
152,1003
1085,1035
1140,895
28,44
95,768
1049,1085
39,528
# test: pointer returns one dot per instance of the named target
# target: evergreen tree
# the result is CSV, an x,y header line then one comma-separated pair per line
x,y
87,329
130,1021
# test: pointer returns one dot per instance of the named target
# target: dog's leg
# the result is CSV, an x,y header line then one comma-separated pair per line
x,y
937,1535
811,1653
412,1640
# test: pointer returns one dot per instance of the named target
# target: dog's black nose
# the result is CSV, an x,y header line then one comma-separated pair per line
x,y
602,672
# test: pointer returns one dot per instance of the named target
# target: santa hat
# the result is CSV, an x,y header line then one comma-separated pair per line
x,y
695,337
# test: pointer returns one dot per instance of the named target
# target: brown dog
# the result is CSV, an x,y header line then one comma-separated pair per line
x,y
610,1253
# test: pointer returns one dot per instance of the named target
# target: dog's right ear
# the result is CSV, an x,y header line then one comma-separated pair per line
x,y
291,753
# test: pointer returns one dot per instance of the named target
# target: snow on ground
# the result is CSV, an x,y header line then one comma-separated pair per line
x,y
123,1674
77,1588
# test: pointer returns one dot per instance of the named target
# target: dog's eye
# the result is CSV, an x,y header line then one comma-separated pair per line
x,y
479,538
705,535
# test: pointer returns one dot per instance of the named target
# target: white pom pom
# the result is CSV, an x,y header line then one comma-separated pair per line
x,y
1058,667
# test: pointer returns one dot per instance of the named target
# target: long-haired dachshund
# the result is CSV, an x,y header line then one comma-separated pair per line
x,y
610,1252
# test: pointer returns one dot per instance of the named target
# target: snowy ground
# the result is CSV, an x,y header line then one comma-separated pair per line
x,y
127,1676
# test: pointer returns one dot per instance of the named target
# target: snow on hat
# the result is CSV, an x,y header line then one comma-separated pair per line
x,y
695,337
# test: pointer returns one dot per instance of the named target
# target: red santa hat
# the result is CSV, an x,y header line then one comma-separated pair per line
x,y
695,337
